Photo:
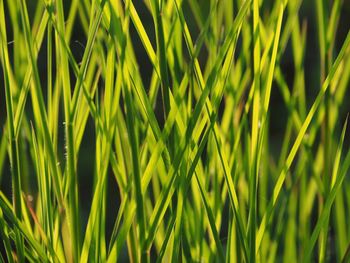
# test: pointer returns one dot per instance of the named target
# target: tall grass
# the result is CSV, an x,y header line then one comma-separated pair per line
x,y
204,145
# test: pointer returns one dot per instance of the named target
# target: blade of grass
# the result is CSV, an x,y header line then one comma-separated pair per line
x,y
136,169
253,177
70,154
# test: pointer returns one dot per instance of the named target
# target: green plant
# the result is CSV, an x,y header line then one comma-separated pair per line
x,y
184,132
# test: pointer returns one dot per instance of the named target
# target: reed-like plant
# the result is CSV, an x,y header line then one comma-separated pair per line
x,y
185,136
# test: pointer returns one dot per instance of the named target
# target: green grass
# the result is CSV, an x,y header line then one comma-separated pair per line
x,y
217,151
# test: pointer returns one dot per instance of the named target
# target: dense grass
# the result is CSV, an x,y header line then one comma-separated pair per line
x,y
185,137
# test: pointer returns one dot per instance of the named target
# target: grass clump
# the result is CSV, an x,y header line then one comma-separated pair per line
x,y
192,131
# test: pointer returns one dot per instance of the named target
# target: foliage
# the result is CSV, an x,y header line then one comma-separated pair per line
x,y
179,118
